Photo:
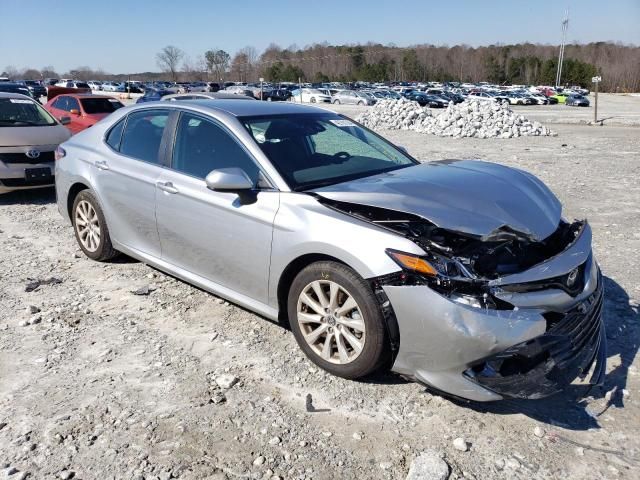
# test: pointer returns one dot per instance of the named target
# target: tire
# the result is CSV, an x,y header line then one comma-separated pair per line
x,y
313,100
96,247
366,323
269,99
361,103
336,102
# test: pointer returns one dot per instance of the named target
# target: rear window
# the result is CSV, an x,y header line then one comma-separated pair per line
x,y
100,105
18,112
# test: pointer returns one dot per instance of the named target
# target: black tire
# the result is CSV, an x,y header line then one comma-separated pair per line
x,y
336,102
104,250
313,100
361,103
375,345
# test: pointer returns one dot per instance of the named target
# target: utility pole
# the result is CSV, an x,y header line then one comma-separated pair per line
x,y
565,27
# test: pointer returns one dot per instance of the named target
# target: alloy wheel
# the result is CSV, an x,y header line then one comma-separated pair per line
x,y
331,322
88,226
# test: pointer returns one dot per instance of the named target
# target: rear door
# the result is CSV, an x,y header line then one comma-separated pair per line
x,y
221,236
125,178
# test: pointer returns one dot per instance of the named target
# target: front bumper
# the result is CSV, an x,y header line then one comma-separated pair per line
x,y
534,350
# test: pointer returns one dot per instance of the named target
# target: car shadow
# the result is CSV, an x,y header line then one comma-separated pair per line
x,y
579,407
37,196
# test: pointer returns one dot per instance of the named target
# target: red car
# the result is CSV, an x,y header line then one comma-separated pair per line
x,y
83,109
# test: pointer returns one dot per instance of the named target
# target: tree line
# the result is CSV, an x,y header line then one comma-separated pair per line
x,y
524,63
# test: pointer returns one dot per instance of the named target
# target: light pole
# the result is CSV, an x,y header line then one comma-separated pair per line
x,y
565,27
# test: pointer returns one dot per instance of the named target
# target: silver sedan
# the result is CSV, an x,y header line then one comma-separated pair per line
x,y
462,275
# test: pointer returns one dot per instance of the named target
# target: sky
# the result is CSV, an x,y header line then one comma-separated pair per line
x,y
124,36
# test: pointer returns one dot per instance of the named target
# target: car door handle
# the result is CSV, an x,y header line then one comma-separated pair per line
x,y
101,164
167,187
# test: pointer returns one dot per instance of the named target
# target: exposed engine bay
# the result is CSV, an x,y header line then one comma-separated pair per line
x,y
465,262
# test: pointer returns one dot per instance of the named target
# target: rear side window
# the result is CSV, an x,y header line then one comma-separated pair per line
x,y
142,135
115,134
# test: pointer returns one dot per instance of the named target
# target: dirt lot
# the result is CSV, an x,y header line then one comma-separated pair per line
x,y
97,382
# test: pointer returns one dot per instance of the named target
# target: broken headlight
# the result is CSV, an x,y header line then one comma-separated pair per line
x,y
447,276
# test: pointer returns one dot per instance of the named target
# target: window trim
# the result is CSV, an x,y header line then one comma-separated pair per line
x,y
171,144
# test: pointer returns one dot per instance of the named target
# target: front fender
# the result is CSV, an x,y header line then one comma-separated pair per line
x,y
304,226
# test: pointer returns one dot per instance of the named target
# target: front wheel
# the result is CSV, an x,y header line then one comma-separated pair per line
x,y
361,103
313,100
336,102
336,320
91,229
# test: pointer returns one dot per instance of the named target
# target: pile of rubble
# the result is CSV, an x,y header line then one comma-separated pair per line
x,y
471,118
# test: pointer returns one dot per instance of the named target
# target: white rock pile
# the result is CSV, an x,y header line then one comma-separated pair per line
x,y
471,118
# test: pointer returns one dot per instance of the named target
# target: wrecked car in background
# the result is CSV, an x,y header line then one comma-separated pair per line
x,y
462,275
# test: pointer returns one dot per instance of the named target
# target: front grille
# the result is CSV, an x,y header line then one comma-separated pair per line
x,y
9,158
561,282
21,182
548,363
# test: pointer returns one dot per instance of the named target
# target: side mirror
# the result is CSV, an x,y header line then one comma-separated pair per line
x,y
74,111
228,180
65,120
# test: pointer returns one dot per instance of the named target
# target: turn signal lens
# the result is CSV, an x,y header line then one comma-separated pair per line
x,y
59,153
413,262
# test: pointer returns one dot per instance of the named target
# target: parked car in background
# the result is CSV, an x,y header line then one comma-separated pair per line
x,y
12,87
174,97
109,86
577,100
153,95
95,85
352,97
460,274
84,110
309,95
425,100
561,97
129,87
29,136
239,90
36,89
276,95
73,84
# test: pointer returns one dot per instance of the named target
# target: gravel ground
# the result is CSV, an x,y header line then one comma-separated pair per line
x,y
97,382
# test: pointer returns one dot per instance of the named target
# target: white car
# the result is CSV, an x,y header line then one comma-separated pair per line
x,y
481,96
95,85
109,87
309,95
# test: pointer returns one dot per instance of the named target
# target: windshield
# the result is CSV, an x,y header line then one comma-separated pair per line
x,y
100,105
315,150
18,112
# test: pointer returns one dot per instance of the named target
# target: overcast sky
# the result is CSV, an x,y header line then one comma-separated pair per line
x,y
123,36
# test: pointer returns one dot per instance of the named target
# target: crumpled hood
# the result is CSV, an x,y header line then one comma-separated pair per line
x,y
33,136
468,196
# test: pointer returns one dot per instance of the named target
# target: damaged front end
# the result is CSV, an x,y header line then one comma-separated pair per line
x,y
518,316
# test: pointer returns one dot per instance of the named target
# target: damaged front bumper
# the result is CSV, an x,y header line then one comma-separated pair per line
x,y
553,334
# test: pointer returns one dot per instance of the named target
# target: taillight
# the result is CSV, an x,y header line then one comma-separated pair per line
x,y
60,153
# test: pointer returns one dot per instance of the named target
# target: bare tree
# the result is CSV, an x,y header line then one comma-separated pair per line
x,y
168,60
49,72
217,62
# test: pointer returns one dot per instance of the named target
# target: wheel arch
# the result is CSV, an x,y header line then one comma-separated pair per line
x,y
298,264
74,190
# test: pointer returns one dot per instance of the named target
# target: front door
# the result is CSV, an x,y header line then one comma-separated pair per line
x,y
221,236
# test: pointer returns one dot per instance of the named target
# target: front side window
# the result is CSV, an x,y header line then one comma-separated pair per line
x,y
202,146
21,112
143,134
314,150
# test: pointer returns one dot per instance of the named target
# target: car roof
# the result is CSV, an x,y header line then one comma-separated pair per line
x,y
213,95
85,95
247,109
15,95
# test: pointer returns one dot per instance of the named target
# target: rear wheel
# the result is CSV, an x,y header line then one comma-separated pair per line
x,y
360,103
336,320
336,102
313,100
91,229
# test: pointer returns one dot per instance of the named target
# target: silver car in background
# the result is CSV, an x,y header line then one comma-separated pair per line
x,y
29,136
462,275
352,97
